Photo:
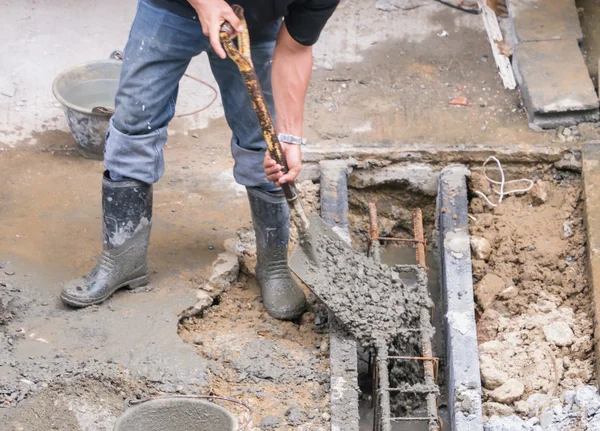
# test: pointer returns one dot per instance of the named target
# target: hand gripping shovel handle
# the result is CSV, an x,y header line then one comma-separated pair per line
x,y
242,59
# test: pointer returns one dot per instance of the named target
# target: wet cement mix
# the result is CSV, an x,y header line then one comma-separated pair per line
x,y
373,301
535,316
280,369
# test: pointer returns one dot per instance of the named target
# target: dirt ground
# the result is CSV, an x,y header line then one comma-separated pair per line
x,y
535,322
280,369
381,77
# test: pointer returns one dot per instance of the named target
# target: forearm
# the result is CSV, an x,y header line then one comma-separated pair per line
x,y
290,77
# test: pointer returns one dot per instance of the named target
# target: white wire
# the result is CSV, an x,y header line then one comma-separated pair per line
x,y
502,183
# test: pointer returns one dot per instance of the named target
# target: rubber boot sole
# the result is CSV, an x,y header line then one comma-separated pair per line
x,y
130,285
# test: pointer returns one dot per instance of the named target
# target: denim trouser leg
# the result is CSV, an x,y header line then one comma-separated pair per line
x,y
247,143
160,47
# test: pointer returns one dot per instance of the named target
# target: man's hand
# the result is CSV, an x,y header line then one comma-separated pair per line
x,y
293,157
212,14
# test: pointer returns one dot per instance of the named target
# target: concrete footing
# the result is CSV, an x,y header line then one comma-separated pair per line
x,y
462,358
343,361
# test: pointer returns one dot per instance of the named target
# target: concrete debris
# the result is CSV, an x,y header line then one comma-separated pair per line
x,y
521,407
509,293
487,327
270,422
246,250
204,300
588,400
510,391
492,377
539,192
559,333
488,290
571,161
578,410
535,128
481,248
508,423
537,402
225,270
294,416
418,177
496,409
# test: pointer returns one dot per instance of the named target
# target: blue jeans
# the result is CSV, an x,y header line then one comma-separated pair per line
x,y
160,47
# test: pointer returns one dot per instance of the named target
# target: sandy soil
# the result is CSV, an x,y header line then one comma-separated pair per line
x,y
280,369
535,323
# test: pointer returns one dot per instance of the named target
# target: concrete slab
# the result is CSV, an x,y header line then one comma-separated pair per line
x,y
342,346
555,83
462,358
535,20
591,186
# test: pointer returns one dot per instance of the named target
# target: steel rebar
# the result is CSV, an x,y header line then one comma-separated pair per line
x,y
374,245
425,324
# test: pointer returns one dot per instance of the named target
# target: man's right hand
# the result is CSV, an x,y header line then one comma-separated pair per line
x,y
212,14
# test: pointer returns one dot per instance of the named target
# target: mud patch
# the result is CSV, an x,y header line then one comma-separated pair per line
x,y
74,404
280,369
535,315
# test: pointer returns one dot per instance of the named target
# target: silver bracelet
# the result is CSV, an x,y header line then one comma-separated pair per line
x,y
291,139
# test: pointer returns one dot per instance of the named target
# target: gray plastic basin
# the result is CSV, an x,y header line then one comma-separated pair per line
x,y
82,88
176,414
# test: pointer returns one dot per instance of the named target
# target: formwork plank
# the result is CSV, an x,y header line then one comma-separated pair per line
x,y
343,360
462,358
555,83
535,20
591,188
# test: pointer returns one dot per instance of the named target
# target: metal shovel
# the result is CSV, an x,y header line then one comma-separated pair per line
x,y
365,296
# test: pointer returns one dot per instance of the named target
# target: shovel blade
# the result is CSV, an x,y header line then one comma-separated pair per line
x,y
370,299
307,258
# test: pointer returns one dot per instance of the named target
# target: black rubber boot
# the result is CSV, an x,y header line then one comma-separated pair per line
x,y
127,219
282,296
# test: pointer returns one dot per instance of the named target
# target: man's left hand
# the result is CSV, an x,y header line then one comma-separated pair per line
x,y
293,158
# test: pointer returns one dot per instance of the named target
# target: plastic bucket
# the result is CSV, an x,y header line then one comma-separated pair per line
x,y
87,92
176,414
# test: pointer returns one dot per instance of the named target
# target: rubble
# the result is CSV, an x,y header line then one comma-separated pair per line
x,y
510,391
481,248
539,193
536,349
496,409
488,290
559,333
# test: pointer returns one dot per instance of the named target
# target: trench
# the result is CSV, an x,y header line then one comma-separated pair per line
x,y
394,204
538,249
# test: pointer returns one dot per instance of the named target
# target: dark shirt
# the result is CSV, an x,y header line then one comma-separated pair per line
x,y
304,19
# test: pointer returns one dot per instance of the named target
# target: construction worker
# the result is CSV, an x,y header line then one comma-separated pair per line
x,y
164,37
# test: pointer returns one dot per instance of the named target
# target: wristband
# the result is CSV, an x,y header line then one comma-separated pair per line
x,y
291,139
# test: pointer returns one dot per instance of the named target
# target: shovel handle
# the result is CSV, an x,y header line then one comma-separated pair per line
x,y
242,59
